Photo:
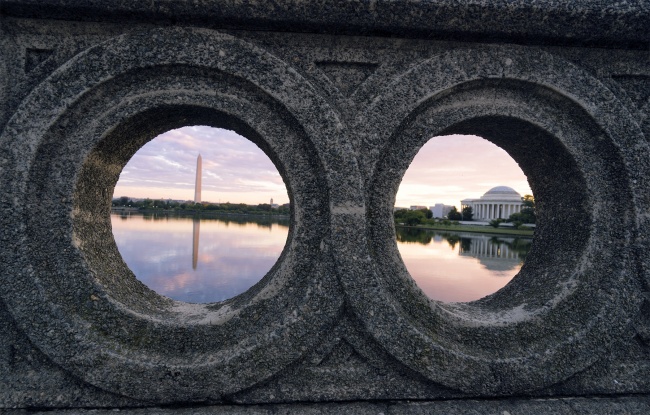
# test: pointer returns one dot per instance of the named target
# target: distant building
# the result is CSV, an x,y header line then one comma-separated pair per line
x,y
497,203
440,210
415,207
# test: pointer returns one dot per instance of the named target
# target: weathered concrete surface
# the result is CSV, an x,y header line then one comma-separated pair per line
x,y
341,103
561,406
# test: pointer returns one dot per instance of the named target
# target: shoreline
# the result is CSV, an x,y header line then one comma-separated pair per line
x,y
452,228
195,213
473,229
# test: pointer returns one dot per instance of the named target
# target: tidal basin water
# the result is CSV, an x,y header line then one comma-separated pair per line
x,y
460,266
212,259
199,261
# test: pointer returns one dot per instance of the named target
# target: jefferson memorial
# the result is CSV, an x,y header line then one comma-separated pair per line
x,y
497,203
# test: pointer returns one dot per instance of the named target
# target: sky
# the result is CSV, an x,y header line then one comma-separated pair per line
x,y
448,169
445,170
234,169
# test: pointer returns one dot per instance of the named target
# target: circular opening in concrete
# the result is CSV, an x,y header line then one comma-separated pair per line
x,y
560,206
101,171
556,154
459,224
128,315
200,214
91,315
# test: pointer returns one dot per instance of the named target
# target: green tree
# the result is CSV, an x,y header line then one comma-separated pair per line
x,y
496,222
467,213
516,223
454,214
527,212
409,217
399,214
414,217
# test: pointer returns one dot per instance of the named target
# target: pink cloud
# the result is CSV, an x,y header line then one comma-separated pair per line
x,y
446,170
234,169
451,168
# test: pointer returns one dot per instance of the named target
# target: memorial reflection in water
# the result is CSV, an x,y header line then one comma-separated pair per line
x,y
199,260
207,260
456,266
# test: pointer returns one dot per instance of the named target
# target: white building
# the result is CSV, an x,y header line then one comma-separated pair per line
x,y
440,210
497,203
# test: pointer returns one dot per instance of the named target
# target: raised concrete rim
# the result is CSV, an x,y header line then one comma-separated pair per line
x,y
116,368
412,338
538,21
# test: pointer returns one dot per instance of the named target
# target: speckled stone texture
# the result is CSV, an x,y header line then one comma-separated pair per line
x,y
341,96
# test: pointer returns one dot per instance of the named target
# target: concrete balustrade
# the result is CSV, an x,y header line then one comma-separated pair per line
x,y
341,96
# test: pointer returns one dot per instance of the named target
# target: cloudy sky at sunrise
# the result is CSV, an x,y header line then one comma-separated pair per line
x,y
446,170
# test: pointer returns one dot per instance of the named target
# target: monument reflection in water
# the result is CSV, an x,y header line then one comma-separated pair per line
x,y
199,260
209,260
455,267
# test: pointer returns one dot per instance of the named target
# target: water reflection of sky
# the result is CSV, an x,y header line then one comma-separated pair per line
x,y
454,267
230,258
233,255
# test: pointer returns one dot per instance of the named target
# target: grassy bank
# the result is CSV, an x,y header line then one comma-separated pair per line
x,y
475,229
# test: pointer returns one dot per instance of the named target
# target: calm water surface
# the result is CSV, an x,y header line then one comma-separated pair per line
x,y
208,260
199,261
457,266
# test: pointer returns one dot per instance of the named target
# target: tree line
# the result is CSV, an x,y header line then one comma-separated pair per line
x,y
526,215
425,216
242,208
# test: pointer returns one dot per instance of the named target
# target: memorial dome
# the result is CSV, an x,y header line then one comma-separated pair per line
x,y
497,203
502,193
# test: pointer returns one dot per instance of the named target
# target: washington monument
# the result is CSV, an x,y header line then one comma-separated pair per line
x,y
197,186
